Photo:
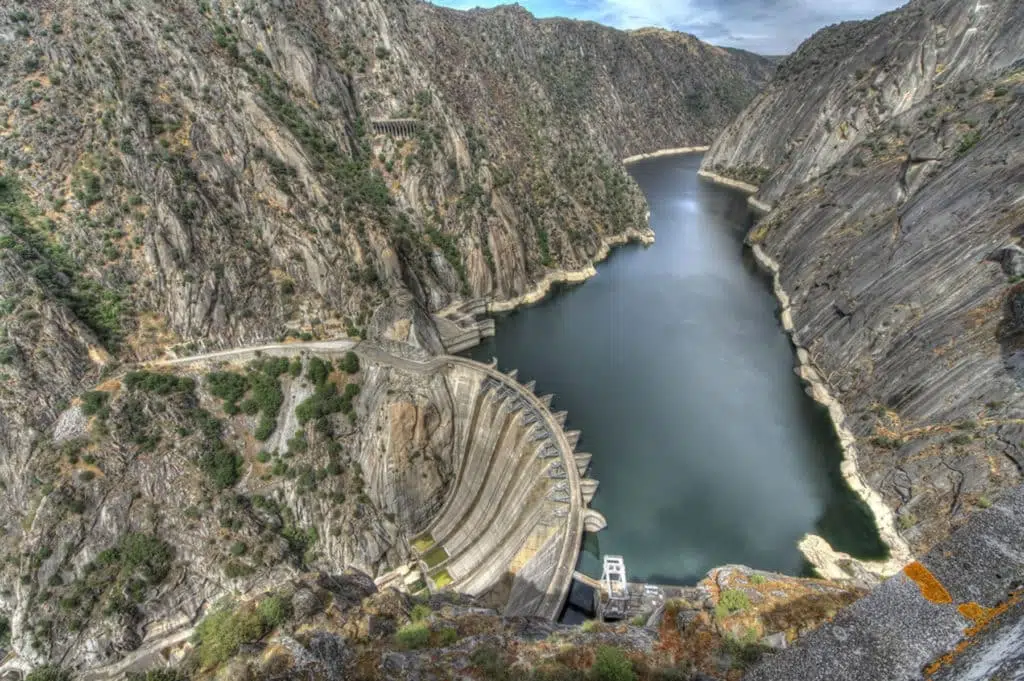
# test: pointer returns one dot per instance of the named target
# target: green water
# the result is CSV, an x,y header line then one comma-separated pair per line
x,y
673,365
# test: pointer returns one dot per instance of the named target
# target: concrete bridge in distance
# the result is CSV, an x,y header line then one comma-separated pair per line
x,y
397,127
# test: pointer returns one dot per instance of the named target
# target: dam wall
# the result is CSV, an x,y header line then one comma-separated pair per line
x,y
518,508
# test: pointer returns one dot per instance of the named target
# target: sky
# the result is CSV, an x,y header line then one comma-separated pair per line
x,y
769,27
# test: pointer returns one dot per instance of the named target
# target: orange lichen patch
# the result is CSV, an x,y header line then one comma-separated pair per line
x,y
973,611
982,617
931,588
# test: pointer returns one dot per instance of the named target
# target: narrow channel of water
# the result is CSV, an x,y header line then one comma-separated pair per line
x,y
673,365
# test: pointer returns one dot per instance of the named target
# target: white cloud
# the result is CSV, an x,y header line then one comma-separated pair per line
x,y
766,26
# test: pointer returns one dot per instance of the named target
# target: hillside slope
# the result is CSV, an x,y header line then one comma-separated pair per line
x,y
195,174
185,175
893,156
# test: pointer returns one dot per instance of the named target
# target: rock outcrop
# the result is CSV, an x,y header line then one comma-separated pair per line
x,y
891,155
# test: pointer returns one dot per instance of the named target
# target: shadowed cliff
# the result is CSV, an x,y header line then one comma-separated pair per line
x,y
892,154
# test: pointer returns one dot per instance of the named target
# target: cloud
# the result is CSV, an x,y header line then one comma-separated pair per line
x,y
764,26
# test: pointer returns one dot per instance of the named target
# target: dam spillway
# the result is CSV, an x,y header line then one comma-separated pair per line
x,y
518,507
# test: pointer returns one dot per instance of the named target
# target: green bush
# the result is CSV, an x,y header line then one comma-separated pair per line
x,y
228,386
447,636
145,555
238,548
157,675
489,660
611,664
220,634
161,384
413,636
420,612
274,611
745,652
730,601
94,402
48,673
265,428
350,364
317,371
968,141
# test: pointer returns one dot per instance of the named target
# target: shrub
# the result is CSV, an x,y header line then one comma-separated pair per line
x,y
488,659
758,579
221,465
420,612
730,601
611,664
745,652
298,444
984,501
145,555
221,633
48,673
317,371
265,428
157,675
350,364
413,636
274,611
161,384
968,141
447,636
228,386
238,548
86,476
93,402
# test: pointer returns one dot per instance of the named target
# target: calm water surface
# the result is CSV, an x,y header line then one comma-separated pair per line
x,y
673,365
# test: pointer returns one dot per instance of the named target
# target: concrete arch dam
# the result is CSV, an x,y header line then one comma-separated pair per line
x,y
519,504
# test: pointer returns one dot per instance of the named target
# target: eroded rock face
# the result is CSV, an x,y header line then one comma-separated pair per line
x,y
408,450
896,187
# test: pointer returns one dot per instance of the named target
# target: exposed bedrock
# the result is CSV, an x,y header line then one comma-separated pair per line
x,y
892,154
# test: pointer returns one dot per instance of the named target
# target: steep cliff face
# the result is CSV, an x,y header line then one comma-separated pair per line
x,y
892,152
159,492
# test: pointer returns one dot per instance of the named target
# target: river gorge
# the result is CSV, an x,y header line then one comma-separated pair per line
x,y
672,363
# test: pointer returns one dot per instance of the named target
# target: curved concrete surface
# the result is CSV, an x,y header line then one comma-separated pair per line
x,y
518,505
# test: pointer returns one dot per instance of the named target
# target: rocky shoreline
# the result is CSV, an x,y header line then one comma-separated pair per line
x,y
830,563
543,288
728,182
664,152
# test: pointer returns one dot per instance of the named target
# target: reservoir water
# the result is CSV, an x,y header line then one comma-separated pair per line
x,y
673,365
